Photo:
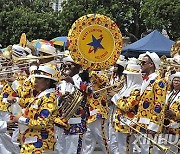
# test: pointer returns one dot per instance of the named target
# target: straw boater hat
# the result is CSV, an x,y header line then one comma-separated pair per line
x,y
68,59
155,58
132,67
18,51
47,71
46,48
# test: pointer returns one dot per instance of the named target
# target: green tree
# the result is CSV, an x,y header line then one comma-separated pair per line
x,y
163,14
34,5
36,19
125,13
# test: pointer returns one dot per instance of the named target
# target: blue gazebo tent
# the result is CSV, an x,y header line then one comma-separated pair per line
x,y
155,41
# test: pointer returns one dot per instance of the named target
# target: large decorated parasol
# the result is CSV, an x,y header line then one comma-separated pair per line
x,y
95,42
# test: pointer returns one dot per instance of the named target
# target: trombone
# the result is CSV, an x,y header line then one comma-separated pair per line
x,y
9,74
12,71
153,140
163,148
38,58
17,65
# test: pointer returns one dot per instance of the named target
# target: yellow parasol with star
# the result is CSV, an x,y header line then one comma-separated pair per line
x,y
95,42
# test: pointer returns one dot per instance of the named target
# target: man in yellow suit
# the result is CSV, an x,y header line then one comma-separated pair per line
x,y
98,114
151,108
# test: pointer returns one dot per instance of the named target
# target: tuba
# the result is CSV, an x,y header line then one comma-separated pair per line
x,y
71,104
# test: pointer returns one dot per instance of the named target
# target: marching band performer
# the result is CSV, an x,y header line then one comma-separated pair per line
x,y
127,106
116,77
152,102
118,69
39,114
5,109
98,110
172,113
70,138
26,90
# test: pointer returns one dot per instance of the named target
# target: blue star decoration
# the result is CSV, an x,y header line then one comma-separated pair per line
x,y
96,43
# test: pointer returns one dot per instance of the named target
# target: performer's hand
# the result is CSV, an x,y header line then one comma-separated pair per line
x,y
171,131
62,99
170,114
16,117
11,99
151,132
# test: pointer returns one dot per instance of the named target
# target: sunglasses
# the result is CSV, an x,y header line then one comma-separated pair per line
x,y
67,65
144,62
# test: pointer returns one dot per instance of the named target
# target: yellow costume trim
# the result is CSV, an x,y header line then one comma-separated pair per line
x,y
4,107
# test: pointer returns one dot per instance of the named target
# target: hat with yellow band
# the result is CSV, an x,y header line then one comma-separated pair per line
x,y
46,48
46,71
132,67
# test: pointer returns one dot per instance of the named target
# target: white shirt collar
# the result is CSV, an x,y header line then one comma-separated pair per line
x,y
146,83
152,76
51,90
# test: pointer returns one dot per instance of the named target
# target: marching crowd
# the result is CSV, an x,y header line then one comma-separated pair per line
x,y
40,113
